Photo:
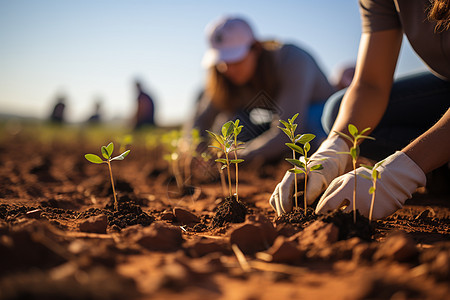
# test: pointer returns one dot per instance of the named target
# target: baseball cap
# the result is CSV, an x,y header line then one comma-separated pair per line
x,y
230,39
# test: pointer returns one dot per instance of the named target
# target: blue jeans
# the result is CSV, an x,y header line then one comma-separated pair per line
x,y
416,103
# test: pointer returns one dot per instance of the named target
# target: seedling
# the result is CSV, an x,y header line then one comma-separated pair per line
x,y
375,175
300,165
170,140
355,139
107,153
227,144
236,130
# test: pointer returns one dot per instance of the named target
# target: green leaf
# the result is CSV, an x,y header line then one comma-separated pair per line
x,y
296,162
353,153
121,156
221,160
353,130
216,137
340,152
94,158
287,132
365,137
371,190
296,148
293,118
224,167
305,138
211,146
366,166
307,147
364,130
365,176
286,124
105,152
110,149
316,167
345,136
296,171
227,129
236,161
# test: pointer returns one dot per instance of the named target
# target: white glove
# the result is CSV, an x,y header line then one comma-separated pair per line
x,y
333,165
400,176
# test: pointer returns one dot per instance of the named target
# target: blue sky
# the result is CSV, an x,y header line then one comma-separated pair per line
x,y
94,49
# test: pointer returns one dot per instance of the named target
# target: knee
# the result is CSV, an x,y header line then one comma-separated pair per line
x,y
331,110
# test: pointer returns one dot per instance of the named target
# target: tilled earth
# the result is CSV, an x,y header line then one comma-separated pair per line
x,y
61,238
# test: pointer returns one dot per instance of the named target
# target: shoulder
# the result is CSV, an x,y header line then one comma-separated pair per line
x,y
292,55
377,15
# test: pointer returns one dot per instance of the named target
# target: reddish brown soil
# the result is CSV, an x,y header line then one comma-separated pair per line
x,y
60,237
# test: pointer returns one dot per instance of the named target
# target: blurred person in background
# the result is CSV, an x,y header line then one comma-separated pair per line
x,y
95,118
410,114
258,83
145,111
57,114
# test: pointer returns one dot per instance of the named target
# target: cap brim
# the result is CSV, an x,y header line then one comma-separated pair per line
x,y
213,56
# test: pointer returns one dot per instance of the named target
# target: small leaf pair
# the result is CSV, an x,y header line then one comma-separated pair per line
x,y
107,152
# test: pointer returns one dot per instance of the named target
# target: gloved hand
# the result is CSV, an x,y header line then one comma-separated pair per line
x,y
400,176
333,165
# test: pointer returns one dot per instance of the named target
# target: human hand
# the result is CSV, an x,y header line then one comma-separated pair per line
x,y
399,178
333,165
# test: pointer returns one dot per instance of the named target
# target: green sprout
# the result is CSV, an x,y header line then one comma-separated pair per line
x,y
227,144
107,153
171,140
236,130
355,138
300,165
375,175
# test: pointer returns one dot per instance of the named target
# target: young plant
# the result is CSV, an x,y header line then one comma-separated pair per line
x,y
355,139
375,175
226,146
289,130
170,140
300,165
107,154
236,130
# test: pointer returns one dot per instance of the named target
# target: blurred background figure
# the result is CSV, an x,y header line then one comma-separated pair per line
x,y
344,77
145,113
259,82
95,118
57,115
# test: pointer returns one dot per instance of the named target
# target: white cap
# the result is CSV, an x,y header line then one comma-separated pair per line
x,y
229,39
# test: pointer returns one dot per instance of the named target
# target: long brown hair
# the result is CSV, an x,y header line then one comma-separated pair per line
x,y
227,96
439,11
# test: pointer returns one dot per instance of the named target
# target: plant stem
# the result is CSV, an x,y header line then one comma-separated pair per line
x,y
116,204
304,192
354,193
373,200
229,174
237,175
177,174
295,180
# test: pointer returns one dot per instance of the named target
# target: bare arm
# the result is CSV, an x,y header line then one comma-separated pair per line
x,y
367,97
434,141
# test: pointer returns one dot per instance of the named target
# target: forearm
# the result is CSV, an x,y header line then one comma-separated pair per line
x,y
363,106
432,149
